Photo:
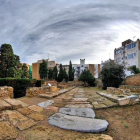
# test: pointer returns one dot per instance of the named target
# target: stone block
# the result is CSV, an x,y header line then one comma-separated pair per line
x,y
123,101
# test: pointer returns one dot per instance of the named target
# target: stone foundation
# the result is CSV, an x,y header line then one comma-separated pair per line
x,y
6,92
35,91
131,88
113,90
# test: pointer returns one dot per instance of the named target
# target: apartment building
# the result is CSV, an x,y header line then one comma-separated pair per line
x,y
128,54
35,67
79,68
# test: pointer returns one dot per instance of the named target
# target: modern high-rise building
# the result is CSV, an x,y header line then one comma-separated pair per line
x,y
128,54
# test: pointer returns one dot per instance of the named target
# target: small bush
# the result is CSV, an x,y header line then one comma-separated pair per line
x,y
19,85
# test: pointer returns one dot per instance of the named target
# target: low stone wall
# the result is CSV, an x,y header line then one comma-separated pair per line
x,y
6,92
117,90
131,88
133,80
35,91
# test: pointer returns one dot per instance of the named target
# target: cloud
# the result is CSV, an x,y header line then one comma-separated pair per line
x,y
67,30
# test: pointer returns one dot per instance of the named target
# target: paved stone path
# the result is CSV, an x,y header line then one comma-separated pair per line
x,y
78,116
18,116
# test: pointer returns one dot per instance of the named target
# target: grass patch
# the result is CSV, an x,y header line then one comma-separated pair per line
x,y
126,125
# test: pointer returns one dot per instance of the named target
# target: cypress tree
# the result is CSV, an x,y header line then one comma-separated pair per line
x,y
70,72
55,73
65,75
30,72
43,70
50,74
60,75
25,71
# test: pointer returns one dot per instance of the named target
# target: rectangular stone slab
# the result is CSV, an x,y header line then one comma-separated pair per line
x,y
4,105
14,103
79,99
80,105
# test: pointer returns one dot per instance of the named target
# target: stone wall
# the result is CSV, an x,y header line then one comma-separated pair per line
x,y
117,90
35,91
131,88
133,80
6,92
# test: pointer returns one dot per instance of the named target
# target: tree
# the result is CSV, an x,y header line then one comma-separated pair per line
x,y
112,75
87,78
65,75
43,70
55,73
60,75
71,72
50,74
25,71
134,69
10,65
30,72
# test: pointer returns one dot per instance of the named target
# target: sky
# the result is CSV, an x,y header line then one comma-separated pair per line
x,y
65,30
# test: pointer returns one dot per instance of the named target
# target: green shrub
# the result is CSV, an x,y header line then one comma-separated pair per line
x,y
19,85
87,78
112,75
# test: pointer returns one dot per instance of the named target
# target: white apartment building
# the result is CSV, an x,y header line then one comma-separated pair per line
x,y
128,54
79,68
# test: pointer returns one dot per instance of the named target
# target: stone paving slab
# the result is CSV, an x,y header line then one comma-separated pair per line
x,y
25,111
4,105
80,112
36,116
7,131
27,124
36,108
18,120
52,108
79,106
78,102
79,99
99,106
46,103
14,103
78,123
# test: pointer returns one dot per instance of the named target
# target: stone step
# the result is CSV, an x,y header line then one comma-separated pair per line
x,y
4,105
15,103
79,106
78,123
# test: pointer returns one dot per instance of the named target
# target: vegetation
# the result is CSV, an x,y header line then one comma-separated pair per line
x,y
10,65
43,70
25,71
112,75
60,75
55,73
87,78
65,75
30,72
50,74
19,85
71,72
134,69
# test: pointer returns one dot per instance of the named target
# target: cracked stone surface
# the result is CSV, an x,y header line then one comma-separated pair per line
x,y
80,112
36,108
79,106
7,131
4,105
78,123
37,117
25,111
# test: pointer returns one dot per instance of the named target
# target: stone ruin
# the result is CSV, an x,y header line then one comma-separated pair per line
x,y
6,92
118,90
35,91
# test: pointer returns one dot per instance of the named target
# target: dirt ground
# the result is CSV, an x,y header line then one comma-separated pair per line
x,y
124,123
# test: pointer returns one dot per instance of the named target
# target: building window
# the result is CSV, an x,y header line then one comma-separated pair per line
x,y
131,56
130,46
82,66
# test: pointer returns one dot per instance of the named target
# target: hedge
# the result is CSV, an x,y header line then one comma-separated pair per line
x,y
19,85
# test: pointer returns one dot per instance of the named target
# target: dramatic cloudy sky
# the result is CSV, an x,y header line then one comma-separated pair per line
x,y
68,29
